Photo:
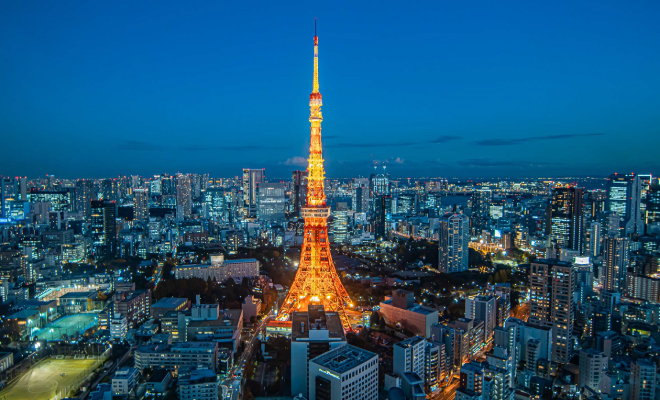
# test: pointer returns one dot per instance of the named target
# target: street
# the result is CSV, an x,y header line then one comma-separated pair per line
x,y
233,381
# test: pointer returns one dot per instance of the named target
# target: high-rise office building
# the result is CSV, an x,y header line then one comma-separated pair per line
x,y
653,204
216,204
593,239
299,191
407,204
312,333
383,213
104,228
109,190
140,204
624,198
271,202
551,285
379,184
481,199
565,218
615,263
340,225
156,186
453,243
360,195
183,197
252,178
8,193
85,193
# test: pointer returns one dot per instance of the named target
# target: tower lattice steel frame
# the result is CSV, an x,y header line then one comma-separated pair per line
x,y
316,280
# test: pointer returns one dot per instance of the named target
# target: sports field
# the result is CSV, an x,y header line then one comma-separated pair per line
x,y
68,325
44,380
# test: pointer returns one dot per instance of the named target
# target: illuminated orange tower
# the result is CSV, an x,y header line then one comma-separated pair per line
x,y
316,281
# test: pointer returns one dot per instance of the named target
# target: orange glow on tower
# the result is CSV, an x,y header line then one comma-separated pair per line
x,y
316,280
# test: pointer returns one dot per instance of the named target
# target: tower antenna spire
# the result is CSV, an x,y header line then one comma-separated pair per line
x,y
315,27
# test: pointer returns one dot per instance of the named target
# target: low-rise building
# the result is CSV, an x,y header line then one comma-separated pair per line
x,y
199,384
159,381
166,304
220,269
400,310
124,381
180,355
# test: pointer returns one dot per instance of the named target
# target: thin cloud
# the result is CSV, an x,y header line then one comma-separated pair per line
x,y
136,145
488,163
369,145
516,141
296,161
445,139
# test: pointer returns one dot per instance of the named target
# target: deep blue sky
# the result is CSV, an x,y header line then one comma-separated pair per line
x,y
439,88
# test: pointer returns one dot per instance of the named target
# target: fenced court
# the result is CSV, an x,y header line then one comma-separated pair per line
x,y
69,326
52,379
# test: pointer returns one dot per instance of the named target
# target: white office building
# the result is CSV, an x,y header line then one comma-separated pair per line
x,y
346,373
409,356
124,380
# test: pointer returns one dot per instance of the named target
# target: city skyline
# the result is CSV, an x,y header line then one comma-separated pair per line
x,y
441,90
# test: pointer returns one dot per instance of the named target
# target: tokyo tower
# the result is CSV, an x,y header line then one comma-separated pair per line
x,y
316,281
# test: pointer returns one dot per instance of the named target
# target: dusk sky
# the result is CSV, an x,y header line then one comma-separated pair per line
x,y
438,88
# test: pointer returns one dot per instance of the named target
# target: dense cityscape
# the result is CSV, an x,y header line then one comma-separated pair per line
x,y
190,286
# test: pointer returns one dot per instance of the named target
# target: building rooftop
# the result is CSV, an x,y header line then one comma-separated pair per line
x,y
316,319
158,376
243,260
198,376
23,314
180,347
79,295
169,302
344,358
411,341
126,372
416,308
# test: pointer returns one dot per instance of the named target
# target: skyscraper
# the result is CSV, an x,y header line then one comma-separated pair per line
x,y
299,191
104,228
409,356
183,197
383,207
593,241
624,198
141,204
453,243
615,264
653,204
271,201
85,193
565,218
551,285
252,178
481,199
316,280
